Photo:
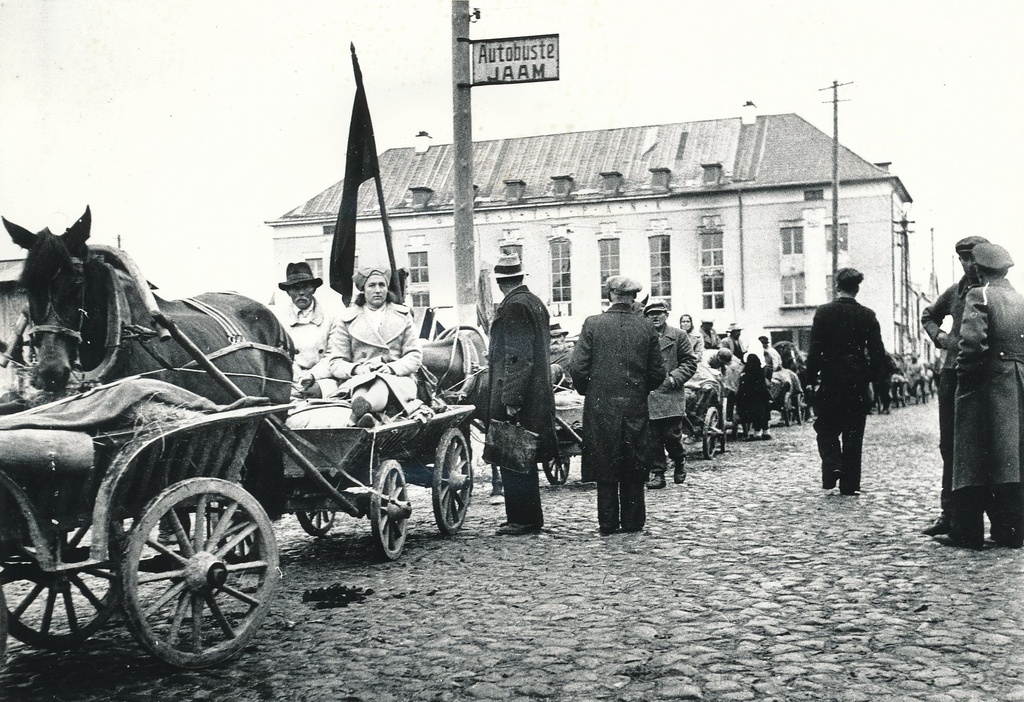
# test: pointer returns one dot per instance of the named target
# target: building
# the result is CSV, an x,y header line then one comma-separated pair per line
x,y
727,219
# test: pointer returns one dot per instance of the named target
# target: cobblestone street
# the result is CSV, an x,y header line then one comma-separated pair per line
x,y
749,583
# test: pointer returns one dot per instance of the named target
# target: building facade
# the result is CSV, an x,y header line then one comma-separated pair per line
x,y
727,219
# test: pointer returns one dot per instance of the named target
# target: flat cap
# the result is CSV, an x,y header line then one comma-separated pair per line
x,y
656,306
849,276
992,256
623,285
969,242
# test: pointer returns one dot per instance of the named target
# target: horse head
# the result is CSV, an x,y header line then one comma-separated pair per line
x,y
53,280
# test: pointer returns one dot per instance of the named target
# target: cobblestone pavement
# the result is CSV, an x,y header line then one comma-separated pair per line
x,y
749,583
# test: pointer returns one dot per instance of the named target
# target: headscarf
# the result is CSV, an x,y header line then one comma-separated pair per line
x,y
364,272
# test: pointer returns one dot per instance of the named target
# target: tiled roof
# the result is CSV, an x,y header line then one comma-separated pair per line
x,y
775,150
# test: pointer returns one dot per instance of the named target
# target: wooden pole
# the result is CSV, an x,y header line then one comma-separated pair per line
x,y
462,122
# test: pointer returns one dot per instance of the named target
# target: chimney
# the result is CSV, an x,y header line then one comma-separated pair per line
x,y
561,185
712,173
660,178
884,165
515,190
422,144
421,196
749,114
611,182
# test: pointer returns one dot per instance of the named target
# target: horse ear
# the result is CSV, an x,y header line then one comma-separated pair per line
x,y
19,235
78,233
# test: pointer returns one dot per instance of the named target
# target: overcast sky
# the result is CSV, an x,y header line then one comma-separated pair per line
x,y
187,124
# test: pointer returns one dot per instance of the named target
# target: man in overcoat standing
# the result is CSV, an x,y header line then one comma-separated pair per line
x,y
667,404
615,364
949,304
988,439
520,388
846,355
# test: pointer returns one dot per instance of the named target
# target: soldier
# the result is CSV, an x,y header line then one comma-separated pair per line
x,y
667,404
846,354
988,434
949,304
615,364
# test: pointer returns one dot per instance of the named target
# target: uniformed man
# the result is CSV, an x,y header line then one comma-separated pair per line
x,y
988,435
949,304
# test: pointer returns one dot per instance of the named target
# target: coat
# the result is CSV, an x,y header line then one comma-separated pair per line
x,y
990,388
616,363
519,359
669,399
310,331
395,344
846,355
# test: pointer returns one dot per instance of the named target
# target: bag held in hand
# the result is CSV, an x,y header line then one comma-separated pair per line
x,y
511,446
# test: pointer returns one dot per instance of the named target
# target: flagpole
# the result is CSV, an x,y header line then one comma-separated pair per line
x,y
396,280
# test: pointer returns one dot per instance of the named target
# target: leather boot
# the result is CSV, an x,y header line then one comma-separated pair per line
x,y
657,480
941,526
679,474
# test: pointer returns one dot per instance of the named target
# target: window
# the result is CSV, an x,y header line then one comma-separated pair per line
x,y
661,268
818,194
418,270
793,289
561,271
792,240
329,231
711,252
844,237
420,298
608,250
714,290
317,266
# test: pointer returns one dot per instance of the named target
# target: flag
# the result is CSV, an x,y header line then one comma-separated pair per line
x,y
360,165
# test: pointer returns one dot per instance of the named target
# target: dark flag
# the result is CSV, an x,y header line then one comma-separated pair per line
x,y
360,165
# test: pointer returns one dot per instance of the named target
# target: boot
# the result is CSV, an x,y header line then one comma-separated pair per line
x,y
657,480
941,526
679,473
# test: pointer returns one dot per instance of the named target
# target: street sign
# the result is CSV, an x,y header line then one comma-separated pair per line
x,y
515,59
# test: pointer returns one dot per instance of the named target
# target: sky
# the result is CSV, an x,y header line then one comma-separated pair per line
x,y
186,125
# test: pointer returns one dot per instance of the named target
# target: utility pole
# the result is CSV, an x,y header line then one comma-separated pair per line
x,y
904,224
835,175
465,248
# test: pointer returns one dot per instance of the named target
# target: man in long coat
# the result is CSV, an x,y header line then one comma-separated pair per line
x,y
847,355
949,304
988,435
520,388
615,364
667,404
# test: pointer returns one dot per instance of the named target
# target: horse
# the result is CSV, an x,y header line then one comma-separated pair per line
x,y
457,364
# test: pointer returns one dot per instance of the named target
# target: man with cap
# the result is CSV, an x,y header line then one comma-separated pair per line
x,y
988,434
519,359
561,352
667,404
949,304
309,325
615,364
733,343
707,331
846,354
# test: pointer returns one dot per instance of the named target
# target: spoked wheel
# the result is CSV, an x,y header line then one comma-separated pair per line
x,y
3,630
452,490
317,522
58,611
712,435
557,471
196,596
389,510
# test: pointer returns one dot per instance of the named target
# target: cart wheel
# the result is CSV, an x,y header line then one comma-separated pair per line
x,y
58,611
389,510
317,522
3,630
710,432
196,598
453,482
557,471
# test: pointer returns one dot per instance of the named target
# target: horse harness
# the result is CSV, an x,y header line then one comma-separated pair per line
x,y
61,328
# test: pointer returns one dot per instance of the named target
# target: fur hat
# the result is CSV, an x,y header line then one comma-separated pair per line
x,y
364,272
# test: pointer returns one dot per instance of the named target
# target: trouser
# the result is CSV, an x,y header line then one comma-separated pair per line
x,y
947,407
883,395
667,435
522,498
621,503
840,442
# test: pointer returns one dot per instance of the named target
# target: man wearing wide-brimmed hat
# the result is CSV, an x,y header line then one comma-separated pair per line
x,y
519,359
309,325
733,343
949,304
988,458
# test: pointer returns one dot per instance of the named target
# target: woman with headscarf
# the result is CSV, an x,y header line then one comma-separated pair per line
x,y
374,349
753,400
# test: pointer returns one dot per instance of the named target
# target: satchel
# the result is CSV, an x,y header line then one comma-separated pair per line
x,y
511,446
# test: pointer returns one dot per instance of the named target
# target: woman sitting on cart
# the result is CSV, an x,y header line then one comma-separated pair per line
x,y
374,350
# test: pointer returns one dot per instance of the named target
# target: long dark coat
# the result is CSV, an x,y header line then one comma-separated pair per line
x,y
520,367
616,363
987,440
669,399
846,354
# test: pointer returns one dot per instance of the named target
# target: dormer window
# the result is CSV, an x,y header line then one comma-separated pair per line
x,y
611,182
661,177
421,196
561,185
712,173
515,190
